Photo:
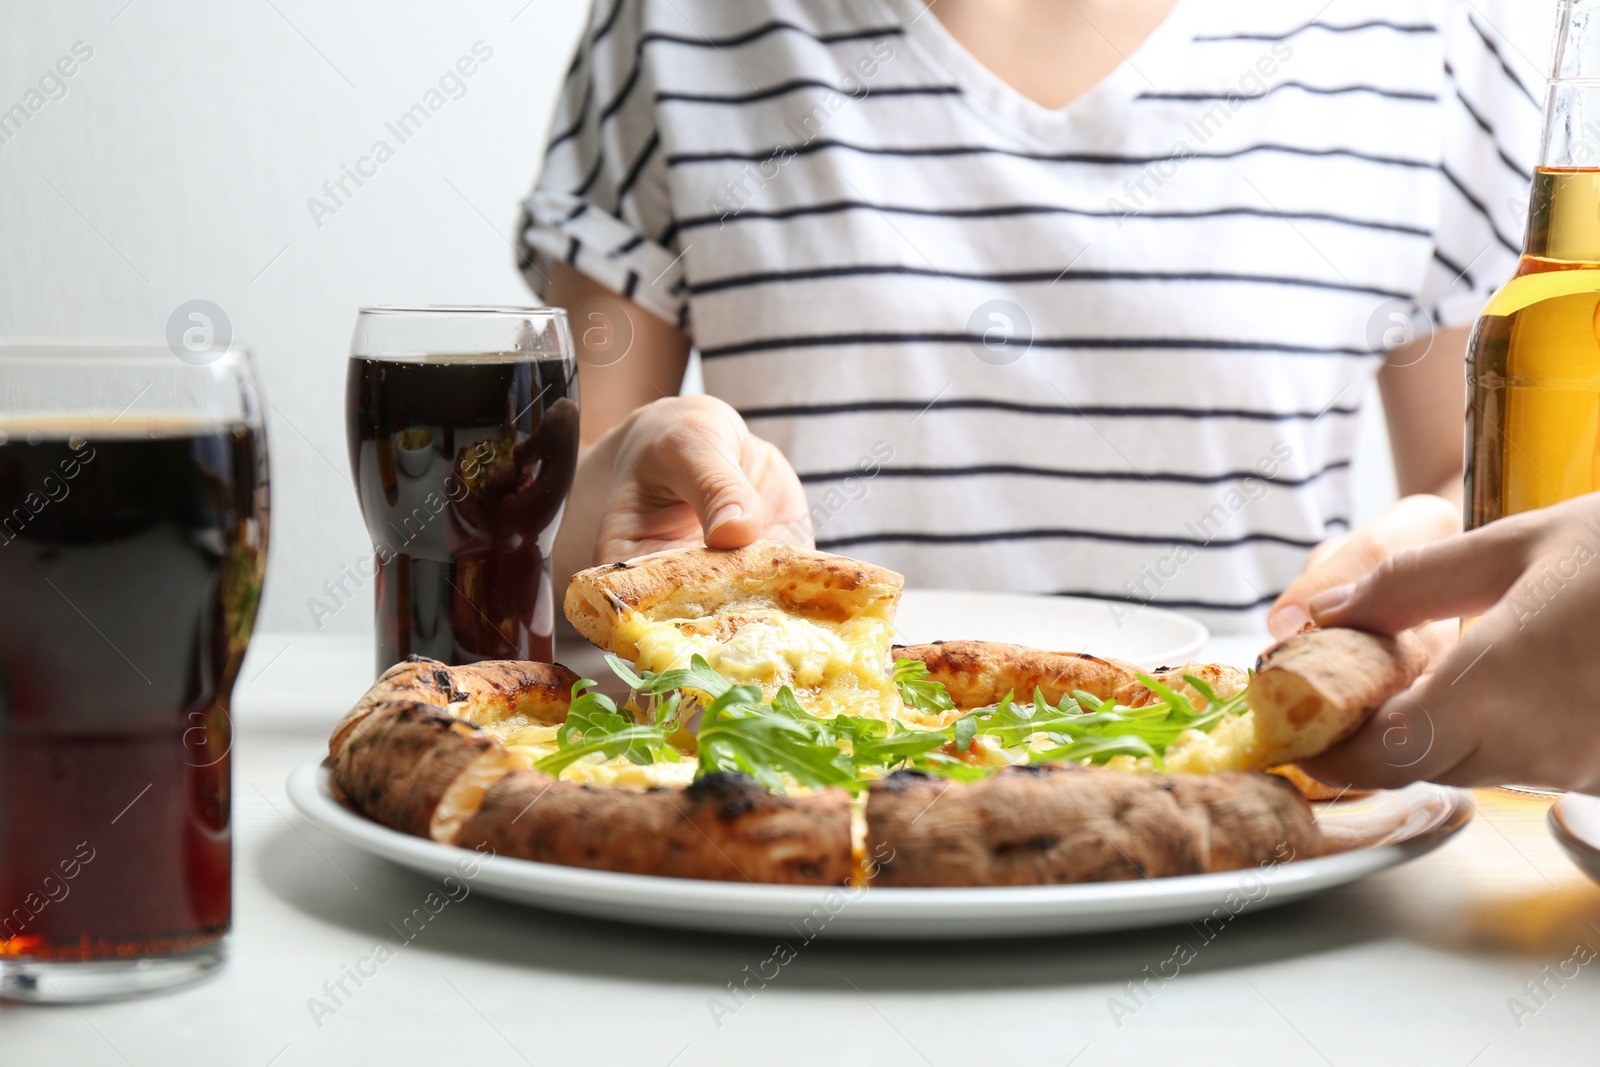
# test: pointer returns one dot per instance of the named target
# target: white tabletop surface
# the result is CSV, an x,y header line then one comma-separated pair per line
x,y
1418,966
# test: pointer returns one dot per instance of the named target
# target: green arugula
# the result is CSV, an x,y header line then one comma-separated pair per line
x,y
1084,727
595,724
774,740
918,690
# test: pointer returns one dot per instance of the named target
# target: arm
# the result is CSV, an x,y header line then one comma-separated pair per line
x,y
627,356
658,470
1424,402
610,387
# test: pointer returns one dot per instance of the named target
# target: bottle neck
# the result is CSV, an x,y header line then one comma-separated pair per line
x,y
1564,215
1564,204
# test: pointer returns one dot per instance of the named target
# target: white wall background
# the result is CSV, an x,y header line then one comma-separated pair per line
x,y
178,164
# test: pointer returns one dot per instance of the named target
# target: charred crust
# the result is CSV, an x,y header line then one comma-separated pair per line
x,y
441,678
416,711
1038,843
902,780
728,794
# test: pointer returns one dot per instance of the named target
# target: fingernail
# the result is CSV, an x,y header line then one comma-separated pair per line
x,y
1331,600
726,514
1287,620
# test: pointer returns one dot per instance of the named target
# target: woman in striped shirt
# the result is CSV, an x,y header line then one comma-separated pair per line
x,y
1020,294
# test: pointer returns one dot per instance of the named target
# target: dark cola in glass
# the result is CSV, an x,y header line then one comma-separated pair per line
x,y
463,435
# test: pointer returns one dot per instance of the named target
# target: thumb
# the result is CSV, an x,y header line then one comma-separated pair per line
x,y
705,470
1414,520
1462,575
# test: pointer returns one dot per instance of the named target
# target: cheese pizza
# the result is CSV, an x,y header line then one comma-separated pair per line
x,y
773,732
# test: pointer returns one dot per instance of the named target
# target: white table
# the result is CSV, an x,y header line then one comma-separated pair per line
x,y
1413,967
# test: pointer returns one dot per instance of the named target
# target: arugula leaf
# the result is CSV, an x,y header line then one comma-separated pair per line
x,y
698,675
1096,750
594,724
1085,727
621,669
963,730
904,744
740,733
948,766
917,690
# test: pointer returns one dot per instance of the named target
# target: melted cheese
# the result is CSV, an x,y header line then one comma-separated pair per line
x,y
1230,746
777,647
530,744
834,669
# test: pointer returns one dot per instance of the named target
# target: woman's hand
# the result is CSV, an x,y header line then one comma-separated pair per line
x,y
687,471
1518,698
1414,521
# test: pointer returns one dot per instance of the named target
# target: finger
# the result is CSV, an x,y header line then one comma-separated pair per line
x,y
783,499
1356,556
1327,548
699,464
633,526
1463,575
1342,560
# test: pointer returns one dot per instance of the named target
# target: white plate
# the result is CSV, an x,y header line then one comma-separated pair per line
x,y
1150,637
1406,823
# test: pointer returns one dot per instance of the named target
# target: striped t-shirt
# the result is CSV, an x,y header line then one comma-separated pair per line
x,y
1114,350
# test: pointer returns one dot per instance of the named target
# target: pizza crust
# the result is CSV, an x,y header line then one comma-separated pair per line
x,y
978,674
724,827
1318,687
1056,824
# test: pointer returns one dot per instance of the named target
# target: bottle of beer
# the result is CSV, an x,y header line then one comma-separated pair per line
x,y
1533,367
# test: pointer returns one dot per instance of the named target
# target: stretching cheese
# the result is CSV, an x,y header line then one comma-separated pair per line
x,y
834,669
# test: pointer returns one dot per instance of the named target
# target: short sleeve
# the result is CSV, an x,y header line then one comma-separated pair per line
x,y
601,202
1492,103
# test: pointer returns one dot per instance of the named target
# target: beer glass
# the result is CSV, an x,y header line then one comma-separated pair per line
x,y
133,534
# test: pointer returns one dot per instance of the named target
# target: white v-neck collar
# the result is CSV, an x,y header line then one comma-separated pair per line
x,y
1087,116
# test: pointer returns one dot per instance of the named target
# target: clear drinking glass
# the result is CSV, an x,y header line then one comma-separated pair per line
x,y
133,533
463,433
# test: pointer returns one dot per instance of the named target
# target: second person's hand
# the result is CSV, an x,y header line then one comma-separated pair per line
x,y
1518,698
1414,521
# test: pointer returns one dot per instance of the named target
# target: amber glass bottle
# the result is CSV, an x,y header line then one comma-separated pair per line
x,y
1533,368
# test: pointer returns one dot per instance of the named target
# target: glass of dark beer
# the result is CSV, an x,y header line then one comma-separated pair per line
x,y
133,532
463,432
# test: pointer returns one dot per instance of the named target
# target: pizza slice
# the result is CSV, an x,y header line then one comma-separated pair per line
x,y
768,614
